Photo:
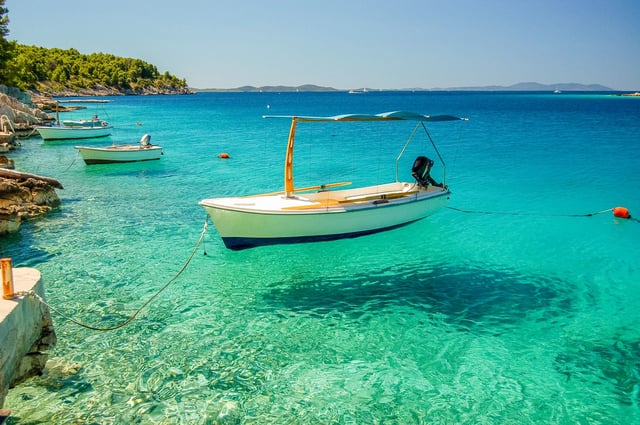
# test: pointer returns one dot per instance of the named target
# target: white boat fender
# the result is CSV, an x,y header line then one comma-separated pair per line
x,y
145,140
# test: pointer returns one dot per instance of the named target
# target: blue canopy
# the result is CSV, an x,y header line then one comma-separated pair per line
x,y
385,116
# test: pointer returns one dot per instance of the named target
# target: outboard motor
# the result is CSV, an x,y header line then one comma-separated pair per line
x,y
420,171
146,140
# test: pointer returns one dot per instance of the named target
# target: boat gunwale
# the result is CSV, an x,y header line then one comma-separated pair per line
x,y
116,148
75,128
348,206
63,133
100,161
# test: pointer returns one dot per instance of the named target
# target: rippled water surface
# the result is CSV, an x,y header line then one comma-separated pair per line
x,y
520,309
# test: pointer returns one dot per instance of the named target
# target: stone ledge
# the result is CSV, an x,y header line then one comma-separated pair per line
x,y
26,330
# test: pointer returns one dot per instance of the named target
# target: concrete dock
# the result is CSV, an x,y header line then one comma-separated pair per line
x,y
26,331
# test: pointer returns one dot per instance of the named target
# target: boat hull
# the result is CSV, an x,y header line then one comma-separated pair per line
x,y
118,154
66,133
242,225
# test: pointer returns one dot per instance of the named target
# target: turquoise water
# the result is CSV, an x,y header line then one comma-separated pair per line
x,y
525,314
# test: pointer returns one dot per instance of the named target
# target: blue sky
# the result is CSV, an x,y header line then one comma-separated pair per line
x,y
345,44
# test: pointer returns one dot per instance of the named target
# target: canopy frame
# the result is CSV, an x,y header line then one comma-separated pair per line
x,y
289,189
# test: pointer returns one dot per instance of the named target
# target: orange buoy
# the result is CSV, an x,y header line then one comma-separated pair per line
x,y
223,155
621,212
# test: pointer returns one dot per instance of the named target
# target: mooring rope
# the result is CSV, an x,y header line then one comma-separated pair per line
x,y
146,303
73,162
527,213
18,136
619,212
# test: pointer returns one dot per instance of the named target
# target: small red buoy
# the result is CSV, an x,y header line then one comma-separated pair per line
x,y
223,155
621,212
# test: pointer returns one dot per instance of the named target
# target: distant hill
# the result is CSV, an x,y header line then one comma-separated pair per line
x,y
272,89
535,87
514,87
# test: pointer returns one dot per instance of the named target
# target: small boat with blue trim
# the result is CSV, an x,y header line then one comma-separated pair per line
x,y
320,213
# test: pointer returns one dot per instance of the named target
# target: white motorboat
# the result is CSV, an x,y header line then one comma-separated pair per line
x,y
143,151
82,129
319,213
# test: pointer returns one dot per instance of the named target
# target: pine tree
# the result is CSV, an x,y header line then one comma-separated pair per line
x,y
6,47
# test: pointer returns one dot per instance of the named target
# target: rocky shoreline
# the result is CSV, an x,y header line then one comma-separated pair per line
x,y
23,196
20,109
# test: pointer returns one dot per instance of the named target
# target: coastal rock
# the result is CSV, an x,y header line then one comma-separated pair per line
x,y
9,222
20,110
25,196
48,91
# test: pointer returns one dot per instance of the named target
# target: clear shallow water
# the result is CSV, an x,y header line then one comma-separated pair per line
x,y
476,318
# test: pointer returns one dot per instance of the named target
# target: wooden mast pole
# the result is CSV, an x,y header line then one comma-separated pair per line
x,y
288,163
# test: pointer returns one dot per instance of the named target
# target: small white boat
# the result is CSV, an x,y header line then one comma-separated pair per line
x,y
95,122
143,151
321,214
81,129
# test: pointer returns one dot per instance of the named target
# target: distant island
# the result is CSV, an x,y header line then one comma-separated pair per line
x,y
530,86
274,89
562,87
